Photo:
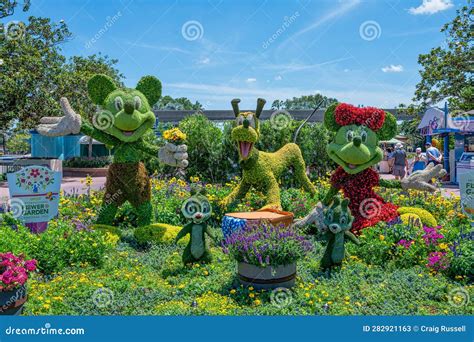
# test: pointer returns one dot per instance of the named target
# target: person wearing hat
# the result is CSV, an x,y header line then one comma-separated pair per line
x,y
433,155
400,162
419,161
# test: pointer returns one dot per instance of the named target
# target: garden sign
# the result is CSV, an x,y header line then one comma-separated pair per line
x,y
34,195
466,186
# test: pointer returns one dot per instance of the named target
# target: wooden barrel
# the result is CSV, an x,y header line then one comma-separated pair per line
x,y
11,302
266,277
234,221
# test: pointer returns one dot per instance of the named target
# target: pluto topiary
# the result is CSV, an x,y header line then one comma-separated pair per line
x,y
125,117
261,170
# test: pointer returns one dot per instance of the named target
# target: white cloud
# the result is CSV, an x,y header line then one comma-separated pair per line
x,y
431,7
251,80
278,78
393,68
206,60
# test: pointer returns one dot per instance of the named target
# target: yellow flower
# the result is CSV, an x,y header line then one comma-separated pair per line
x,y
251,288
381,237
206,273
233,291
307,295
257,302
443,246
251,295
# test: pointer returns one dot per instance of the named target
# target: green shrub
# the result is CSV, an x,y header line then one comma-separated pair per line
x,y
157,233
60,246
208,159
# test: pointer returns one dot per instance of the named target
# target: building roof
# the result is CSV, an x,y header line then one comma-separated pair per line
x,y
228,114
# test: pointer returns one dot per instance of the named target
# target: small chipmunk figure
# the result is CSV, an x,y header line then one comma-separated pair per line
x,y
337,224
198,209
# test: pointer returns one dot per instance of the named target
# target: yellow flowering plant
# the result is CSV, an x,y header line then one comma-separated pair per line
x,y
174,136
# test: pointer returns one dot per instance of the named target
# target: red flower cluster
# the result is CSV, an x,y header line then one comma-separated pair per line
x,y
371,117
366,206
14,271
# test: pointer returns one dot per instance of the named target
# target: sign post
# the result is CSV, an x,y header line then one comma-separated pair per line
x,y
34,196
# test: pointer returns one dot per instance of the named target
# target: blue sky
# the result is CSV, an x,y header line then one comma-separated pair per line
x,y
361,52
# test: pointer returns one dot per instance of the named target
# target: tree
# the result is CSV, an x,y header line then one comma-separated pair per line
x,y
7,7
30,68
180,103
18,143
303,102
72,82
447,70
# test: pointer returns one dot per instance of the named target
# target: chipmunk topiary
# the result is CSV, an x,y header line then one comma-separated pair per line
x,y
261,170
355,148
197,209
337,224
125,117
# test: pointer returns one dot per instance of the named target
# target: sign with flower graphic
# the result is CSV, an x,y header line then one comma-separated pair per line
x,y
34,193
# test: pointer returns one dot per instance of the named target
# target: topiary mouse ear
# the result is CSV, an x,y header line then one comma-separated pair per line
x,y
330,119
345,203
336,201
150,86
99,87
389,128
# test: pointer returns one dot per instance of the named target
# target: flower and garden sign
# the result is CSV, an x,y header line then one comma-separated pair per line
x,y
34,196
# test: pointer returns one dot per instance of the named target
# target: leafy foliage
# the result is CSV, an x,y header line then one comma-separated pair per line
x,y
447,70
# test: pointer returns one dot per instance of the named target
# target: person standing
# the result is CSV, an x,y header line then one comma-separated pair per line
x,y
433,155
419,161
400,162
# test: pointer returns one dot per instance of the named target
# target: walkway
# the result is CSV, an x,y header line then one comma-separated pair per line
x,y
74,185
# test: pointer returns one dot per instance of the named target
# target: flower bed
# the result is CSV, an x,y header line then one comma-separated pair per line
x,y
398,269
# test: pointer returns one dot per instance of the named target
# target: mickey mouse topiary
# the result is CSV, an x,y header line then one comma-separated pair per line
x,y
124,118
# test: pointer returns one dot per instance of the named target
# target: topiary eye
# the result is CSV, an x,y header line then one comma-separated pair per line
x,y
349,135
343,219
205,208
329,216
137,102
363,136
239,120
118,103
